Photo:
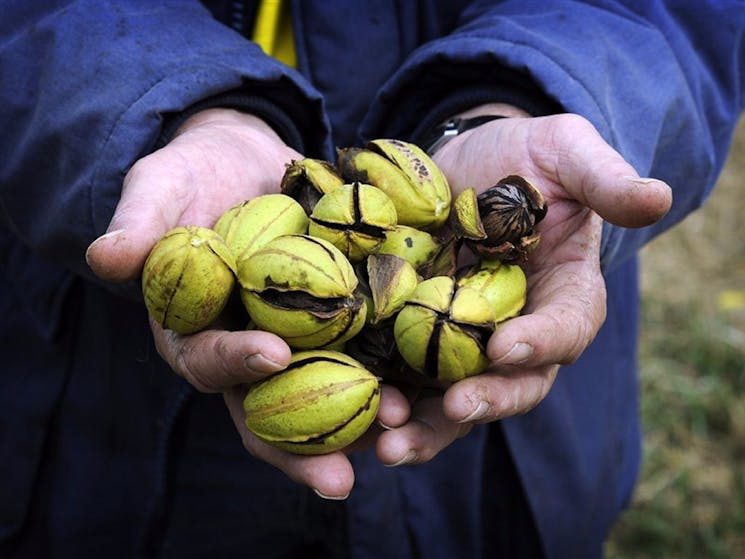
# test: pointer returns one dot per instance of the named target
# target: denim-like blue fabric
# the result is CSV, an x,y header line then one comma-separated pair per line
x,y
103,449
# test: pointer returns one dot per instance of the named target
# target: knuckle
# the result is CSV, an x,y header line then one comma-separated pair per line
x,y
140,168
505,402
575,326
250,447
184,365
567,127
428,442
223,353
573,122
575,349
541,388
564,128
462,430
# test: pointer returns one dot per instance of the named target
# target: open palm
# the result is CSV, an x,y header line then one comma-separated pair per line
x,y
583,181
218,158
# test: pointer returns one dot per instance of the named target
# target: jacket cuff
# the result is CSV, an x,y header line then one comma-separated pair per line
x,y
513,88
245,102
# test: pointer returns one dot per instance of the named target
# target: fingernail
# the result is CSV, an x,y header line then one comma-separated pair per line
x,y
408,458
259,363
110,234
517,354
330,497
642,181
478,413
384,426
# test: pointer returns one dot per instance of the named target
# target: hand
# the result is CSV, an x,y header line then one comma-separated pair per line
x,y
583,181
217,159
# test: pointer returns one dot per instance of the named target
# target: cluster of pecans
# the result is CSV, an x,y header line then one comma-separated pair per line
x,y
353,264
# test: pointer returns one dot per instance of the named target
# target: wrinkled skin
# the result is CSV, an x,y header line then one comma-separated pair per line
x,y
220,157
583,181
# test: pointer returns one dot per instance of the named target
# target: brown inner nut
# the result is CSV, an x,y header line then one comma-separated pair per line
x,y
301,300
506,213
510,209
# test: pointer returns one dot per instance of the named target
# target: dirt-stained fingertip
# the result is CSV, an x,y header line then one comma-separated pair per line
x,y
105,260
652,199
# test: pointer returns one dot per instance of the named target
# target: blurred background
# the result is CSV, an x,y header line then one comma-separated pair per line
x,y
690,501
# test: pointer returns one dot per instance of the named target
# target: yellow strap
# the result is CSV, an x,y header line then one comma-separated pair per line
x,y
273,31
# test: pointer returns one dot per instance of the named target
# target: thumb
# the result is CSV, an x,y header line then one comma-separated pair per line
x,y
114,257
142,216
596,175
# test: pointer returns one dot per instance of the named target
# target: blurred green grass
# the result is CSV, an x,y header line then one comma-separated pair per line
x,y
690,500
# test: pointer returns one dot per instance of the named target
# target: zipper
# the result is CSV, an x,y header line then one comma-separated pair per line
x,y
242,16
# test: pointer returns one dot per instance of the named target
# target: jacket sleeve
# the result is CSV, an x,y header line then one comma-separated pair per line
x,y
662,82
85,88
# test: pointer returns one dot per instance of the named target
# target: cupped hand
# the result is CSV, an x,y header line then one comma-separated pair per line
x,y
218,158
584,182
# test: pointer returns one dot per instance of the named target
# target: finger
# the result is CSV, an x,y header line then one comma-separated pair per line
x,y
558,329
422,438
330,475
394,408
566,305
596,175
149,206
215,360
495,395
556,334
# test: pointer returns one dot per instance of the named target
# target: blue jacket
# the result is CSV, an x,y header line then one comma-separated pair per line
x,y
100,442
